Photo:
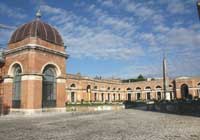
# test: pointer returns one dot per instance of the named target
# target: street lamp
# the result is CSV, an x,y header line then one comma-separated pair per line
x,y
198,7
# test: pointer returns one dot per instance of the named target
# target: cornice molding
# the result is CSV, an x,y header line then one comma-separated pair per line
x,y
36,47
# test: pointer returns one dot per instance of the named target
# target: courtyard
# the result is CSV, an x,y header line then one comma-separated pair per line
x,y
107,125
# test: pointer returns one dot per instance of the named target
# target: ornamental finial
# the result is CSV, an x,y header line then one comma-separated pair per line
x,y
38,14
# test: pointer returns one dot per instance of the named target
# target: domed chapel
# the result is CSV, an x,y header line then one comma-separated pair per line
x,y
35,67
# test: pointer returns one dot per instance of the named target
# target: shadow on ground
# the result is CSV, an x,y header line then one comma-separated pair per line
x,y
181,107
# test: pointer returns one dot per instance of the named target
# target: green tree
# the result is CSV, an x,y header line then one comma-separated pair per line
x,y
140,77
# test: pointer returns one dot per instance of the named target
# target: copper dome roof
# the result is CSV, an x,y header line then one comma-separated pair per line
x,y
39,29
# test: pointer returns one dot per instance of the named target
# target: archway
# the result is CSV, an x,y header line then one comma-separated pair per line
x,y
119,97
72,87
95,94
158,92
184,91
148,93
129,97
49,87
108,97
129,93
16,97
88,89
138,93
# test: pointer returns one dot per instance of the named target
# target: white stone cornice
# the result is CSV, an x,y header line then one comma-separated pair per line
x,y
36,47
60,80
31,77
8,80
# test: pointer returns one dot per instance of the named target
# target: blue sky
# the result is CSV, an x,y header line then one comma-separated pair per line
x,y
117,38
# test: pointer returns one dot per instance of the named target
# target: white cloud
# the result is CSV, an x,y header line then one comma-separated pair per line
x,y
134,70
132,31
138,9
5,35
109,37
103,45
161,28
108,3
52,10
149,37
118,24
157,19
183,37
176,7
3,26
99,41
11,12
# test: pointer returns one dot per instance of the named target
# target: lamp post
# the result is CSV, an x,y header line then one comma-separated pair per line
x,y
198,7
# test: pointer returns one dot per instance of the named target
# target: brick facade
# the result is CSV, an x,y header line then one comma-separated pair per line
x,y
117,87
33,59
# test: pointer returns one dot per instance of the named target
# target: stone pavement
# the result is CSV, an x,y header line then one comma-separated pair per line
x,y
108,125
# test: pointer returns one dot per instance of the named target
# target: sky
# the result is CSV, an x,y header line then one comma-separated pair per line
x,y
117,38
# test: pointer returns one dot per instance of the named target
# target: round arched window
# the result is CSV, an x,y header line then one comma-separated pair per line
x,y
49,87
16,98
184,91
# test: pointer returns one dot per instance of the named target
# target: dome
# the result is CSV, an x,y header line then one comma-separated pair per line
x,y
39,29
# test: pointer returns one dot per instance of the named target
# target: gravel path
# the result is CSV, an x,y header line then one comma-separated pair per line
x,y
110,125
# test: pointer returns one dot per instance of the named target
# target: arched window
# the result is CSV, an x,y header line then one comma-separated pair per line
x,y
49,87
88,89
138,88
16,98
148,93
108,97
158,87
184,91
95,94
147,88
158,90
129,94
73,86
128,89
138,94
119,97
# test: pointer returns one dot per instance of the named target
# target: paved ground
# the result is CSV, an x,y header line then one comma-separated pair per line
x,y
121,125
